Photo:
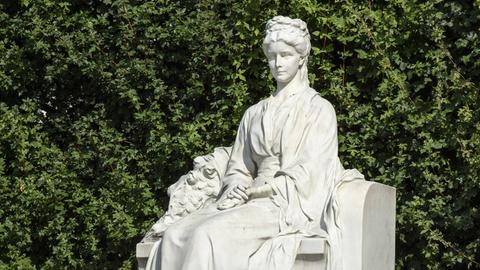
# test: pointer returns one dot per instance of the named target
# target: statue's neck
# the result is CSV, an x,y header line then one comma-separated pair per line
x,y
285,89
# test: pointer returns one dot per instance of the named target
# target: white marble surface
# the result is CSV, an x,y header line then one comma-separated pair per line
x,y
310,250
367,220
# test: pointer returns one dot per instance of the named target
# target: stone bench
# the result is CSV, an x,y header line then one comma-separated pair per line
x,y
367,222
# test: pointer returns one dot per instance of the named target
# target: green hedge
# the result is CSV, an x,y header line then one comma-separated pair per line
x,y
103,104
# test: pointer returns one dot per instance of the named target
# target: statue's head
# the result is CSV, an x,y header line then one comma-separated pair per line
x,y
287,47
209,167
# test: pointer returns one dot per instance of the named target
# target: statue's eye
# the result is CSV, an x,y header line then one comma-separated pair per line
x,y
286,54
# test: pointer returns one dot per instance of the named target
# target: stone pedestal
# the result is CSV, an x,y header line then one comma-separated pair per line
x,y
142,253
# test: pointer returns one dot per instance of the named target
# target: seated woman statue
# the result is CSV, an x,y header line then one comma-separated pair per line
x,y
279,179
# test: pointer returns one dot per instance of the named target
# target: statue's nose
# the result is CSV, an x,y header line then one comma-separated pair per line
x,y
278,61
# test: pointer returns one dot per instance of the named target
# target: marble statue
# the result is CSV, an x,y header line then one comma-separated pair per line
x,y
278,182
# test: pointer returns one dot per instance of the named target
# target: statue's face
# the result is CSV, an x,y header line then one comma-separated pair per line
x,y
284,61
203,170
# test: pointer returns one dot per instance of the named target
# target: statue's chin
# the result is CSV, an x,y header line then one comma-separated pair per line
x,y
282,80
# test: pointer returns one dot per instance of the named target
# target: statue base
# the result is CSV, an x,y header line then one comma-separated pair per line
x,y
310,256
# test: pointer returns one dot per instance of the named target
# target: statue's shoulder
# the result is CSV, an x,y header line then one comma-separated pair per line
x,y
255,108
318,102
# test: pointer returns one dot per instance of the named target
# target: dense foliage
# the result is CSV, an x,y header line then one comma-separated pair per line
x,y
104,103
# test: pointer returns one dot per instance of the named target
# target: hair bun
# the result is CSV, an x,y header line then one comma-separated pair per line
x,y
282,23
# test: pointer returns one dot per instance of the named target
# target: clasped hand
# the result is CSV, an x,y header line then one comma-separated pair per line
x,y
241,193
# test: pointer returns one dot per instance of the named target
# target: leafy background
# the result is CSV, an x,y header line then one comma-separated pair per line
x,y
103,104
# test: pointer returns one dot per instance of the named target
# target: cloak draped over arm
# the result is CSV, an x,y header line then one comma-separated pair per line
x,y
241,167
309,155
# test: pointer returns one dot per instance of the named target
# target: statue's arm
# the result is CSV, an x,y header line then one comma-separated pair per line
x,y
318,145
241,167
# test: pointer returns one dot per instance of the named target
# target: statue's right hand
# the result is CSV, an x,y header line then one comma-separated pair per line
x,y
239,192
234,197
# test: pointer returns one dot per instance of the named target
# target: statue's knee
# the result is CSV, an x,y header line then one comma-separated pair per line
x,y
171,235
202,231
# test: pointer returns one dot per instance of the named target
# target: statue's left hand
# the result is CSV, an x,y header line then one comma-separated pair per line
x,y
228,203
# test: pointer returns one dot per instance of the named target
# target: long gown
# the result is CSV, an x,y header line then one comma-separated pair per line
x,y
293,146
